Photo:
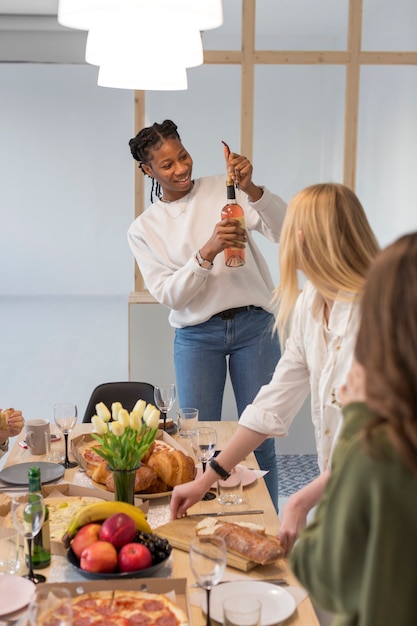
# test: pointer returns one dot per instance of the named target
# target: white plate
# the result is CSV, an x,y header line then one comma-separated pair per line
x,y
15,593
277,604
248,476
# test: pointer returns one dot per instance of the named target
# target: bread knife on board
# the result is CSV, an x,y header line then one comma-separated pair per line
x,y
226,513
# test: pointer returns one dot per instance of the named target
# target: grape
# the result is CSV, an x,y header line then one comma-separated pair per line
x,y
159,547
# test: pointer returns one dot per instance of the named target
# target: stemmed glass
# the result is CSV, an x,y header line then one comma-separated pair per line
x,y
204,443
65,415
28,514
51,606
208,562
164,399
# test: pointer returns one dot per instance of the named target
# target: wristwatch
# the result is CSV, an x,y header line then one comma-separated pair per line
x,y
207,265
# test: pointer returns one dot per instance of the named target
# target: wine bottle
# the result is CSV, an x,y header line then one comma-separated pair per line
x,y
41,546
233,256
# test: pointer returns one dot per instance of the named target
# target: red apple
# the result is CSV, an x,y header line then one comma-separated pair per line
x,y
118,529
100,556
134,556
87,535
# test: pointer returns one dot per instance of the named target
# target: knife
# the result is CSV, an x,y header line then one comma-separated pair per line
x,y
226,513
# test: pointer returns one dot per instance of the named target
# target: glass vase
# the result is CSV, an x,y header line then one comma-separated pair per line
x,y
124,484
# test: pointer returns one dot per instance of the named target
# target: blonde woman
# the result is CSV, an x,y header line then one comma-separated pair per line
x,y
327,236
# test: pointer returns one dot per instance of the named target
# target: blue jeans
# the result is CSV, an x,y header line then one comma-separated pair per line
x,y
249,347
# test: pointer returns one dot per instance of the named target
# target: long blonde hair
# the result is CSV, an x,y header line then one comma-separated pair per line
x,y
327,236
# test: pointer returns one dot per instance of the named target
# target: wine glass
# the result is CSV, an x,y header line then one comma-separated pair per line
x,y
51,606
65,415
208,562
204,443
28,514
164,399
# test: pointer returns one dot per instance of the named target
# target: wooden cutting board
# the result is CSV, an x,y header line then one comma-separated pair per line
x,y
180,532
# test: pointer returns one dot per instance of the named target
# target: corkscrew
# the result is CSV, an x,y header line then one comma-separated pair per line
x,y
226,151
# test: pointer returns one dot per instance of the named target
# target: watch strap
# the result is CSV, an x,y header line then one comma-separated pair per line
x,y
205,263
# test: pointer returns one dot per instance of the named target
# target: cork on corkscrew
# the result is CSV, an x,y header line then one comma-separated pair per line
x,y
226,151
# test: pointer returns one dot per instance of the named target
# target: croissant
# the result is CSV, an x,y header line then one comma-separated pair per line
x,y
145,477
172,466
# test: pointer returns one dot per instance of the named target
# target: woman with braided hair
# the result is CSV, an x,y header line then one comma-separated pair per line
x,y
222,316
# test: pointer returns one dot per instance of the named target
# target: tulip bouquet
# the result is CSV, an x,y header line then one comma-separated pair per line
x,y
124,437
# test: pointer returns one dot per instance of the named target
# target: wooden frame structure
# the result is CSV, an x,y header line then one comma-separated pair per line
x,y
248,57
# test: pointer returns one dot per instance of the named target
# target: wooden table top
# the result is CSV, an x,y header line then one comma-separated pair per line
x,y
256,497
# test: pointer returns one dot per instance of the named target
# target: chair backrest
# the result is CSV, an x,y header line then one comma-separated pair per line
x,y
128,393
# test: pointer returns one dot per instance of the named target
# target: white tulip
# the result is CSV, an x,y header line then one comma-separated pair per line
x,y
139,407
117,428
115,408
103,412
124,417
151,418
135,420
99,426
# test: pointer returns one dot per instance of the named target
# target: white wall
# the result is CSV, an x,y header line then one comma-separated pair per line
x,y
66,189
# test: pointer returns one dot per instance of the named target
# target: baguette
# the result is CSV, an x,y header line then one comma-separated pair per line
x,y
240,539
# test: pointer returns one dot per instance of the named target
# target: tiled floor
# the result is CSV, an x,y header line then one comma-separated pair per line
x,y
295,471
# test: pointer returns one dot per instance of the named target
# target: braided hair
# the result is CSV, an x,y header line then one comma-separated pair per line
x,y
148,139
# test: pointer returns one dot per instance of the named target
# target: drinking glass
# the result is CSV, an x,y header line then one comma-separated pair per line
x,y
204,443
52,606
242,611
28,514
164,399
208,562
65,415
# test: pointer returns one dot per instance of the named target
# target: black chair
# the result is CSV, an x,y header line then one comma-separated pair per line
x,y
128,393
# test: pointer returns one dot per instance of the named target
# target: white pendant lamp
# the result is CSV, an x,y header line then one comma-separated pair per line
x,y
149,77
84,14
182,47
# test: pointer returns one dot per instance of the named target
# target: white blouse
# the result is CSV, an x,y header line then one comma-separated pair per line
x,y
316,360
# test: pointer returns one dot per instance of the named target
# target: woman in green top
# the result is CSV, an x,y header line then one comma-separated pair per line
x,y
358,557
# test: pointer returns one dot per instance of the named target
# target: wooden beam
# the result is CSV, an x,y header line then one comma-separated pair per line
x,y
352,93
139,195
247,87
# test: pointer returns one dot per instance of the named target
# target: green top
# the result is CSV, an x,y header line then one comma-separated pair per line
x,y
358,558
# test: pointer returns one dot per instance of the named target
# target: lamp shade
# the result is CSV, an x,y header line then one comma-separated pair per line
x,y
181,47
141,76
84,14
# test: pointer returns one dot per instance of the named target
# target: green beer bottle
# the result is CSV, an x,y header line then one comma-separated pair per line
x,y
41,546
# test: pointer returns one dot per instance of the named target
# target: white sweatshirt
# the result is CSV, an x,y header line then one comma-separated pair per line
x,y
165,238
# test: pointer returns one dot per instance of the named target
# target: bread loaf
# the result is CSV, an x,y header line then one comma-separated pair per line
x,y
248,542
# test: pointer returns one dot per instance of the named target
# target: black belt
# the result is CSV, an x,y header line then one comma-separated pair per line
x,y
229,314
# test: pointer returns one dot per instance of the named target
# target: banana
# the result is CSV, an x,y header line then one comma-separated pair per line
x,y
99,511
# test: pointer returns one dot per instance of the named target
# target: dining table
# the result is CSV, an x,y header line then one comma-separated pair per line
x,y
256,497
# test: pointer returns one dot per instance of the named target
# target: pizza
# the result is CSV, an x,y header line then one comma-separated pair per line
x,y
118,608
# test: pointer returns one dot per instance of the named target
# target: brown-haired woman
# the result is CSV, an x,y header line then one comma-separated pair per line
x,y
358,557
